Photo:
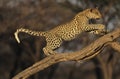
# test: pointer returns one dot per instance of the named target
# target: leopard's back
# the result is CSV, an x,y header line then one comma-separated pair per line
x,y
67,31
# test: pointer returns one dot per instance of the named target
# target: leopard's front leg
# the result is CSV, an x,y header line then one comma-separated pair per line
x,y
96,28
100,32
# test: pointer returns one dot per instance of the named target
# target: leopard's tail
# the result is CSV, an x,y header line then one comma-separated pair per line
x,y
34,33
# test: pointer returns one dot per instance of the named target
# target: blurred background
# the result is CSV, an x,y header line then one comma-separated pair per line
x,y
44,15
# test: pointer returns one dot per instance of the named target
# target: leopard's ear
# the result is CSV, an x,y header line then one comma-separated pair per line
x,y
91,9
97,7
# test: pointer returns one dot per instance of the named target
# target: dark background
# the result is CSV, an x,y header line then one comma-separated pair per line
x,y
45,15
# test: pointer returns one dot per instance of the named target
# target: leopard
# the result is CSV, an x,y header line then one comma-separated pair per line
x,y
67,31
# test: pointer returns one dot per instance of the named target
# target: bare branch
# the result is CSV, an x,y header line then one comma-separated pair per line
x,y
115,45
86,53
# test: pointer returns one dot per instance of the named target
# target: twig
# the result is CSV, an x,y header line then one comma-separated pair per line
x,y
86,53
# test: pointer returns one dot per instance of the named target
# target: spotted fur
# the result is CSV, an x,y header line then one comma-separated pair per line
x,y
68,31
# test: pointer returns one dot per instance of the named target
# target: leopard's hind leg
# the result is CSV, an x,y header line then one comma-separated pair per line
x,y
52,42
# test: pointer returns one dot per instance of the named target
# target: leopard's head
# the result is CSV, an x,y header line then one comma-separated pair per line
x,y
92,13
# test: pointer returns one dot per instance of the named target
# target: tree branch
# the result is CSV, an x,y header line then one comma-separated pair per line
x,y
86,53
115,45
